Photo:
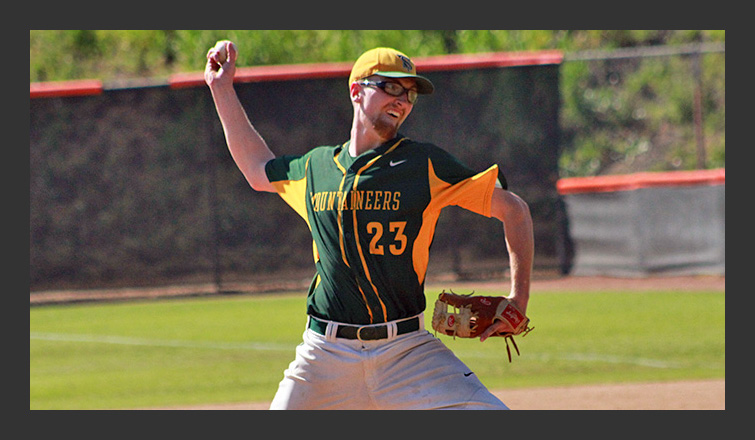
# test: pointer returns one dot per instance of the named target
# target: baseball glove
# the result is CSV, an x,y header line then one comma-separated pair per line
x,y
467,316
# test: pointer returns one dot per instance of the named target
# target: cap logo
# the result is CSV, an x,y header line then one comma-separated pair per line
x,y
408,65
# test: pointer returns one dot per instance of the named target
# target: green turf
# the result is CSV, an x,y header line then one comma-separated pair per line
x,y
234,349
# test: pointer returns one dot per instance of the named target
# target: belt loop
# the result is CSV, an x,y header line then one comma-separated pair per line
x,y
330,331
392,330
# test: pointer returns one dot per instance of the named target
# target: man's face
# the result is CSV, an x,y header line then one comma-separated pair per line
x,y
385,112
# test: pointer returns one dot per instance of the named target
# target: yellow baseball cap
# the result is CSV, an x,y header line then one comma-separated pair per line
x,y
389,63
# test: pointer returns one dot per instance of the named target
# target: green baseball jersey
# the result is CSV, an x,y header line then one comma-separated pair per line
x,y
372,219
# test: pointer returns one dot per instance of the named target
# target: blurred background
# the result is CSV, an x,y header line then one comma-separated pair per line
x,y
132,185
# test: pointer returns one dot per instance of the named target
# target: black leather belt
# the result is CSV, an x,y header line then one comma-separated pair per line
x,y
365,332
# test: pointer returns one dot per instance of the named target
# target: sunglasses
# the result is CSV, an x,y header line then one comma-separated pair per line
x,y
393,89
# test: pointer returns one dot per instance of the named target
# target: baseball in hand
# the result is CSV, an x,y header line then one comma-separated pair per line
x,y
221,51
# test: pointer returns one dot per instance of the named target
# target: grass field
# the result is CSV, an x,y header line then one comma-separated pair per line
x,y
234,349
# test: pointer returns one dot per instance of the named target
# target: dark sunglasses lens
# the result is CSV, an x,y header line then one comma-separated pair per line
x,y
392,88
395,89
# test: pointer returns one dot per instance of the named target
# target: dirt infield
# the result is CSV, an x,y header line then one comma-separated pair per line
x,y
585,284
686,395
540,283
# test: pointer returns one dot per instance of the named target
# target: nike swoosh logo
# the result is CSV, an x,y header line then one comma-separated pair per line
x,y
468,374
393,164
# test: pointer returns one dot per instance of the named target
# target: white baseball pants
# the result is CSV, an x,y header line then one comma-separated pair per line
x,y
411,371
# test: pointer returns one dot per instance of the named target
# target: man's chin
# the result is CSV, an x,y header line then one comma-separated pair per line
x,y
385,130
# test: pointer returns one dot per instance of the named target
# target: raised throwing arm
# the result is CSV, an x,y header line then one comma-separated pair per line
x,y
248,149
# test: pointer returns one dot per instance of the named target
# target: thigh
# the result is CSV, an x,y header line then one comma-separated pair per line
x,y
324,375
420,372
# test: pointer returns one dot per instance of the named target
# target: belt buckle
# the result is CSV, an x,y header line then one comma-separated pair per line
x,y
359,332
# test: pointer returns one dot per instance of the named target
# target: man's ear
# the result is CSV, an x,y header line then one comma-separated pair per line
x,y
355,92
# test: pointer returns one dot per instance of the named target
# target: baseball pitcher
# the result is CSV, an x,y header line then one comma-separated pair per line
x,y
371,204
